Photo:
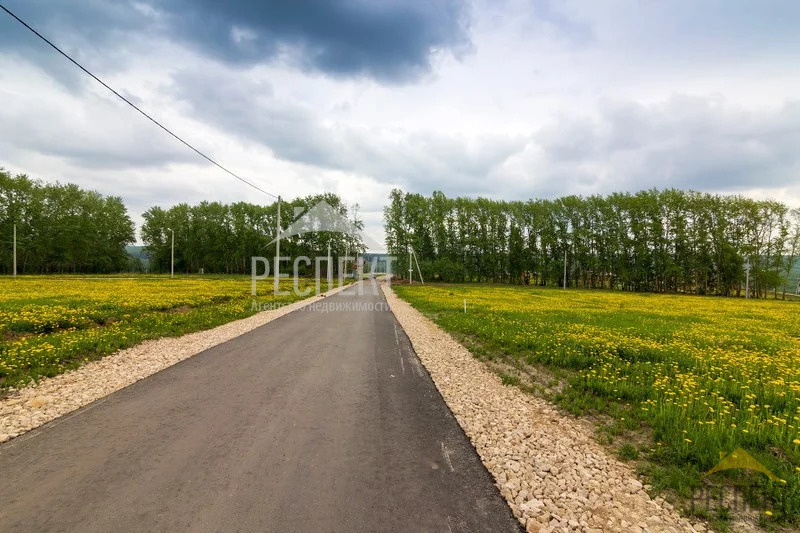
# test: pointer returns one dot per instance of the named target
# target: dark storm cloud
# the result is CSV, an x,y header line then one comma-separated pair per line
x,y
99,18
387,40
93,32
390,41
687,142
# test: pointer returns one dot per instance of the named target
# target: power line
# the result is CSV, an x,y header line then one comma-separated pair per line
x,y
151,119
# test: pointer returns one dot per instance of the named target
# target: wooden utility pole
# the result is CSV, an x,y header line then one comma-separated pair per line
x,y
565,270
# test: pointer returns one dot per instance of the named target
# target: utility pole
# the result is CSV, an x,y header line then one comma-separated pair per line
x,y
355,228
419,271
330,266
747,283
410,267
15,251
172,259
346,255
346,249
278,247
347,242
565,270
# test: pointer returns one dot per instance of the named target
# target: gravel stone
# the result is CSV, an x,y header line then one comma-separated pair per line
x,y
572,483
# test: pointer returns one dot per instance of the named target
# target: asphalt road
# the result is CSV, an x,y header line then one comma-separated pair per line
x,y
318,421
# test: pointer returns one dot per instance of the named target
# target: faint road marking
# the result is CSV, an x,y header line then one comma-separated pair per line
x,y
446,454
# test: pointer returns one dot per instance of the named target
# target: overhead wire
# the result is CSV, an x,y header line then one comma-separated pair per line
x,y
137,108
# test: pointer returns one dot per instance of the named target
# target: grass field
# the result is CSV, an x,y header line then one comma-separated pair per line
x,y
51,324
673,381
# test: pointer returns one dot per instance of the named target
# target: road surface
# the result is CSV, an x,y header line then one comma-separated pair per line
x,y
317,421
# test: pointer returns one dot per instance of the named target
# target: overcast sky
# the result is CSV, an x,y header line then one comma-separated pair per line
x,y
499,98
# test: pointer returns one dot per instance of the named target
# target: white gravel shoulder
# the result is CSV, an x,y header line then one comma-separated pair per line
x,y
548,466
36,404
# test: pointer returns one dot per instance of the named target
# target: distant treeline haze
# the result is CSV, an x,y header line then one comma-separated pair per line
x,y
664,241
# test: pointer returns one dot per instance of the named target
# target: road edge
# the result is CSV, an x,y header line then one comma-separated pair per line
x,y
48,399
528,446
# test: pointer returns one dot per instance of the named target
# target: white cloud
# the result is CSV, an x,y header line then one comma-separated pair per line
x,y
552,98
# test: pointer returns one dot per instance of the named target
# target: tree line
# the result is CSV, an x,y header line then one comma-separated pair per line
x,y
66,229
222,238
657,240
61,228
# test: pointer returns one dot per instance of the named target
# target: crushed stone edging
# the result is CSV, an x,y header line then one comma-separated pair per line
x,y
548,466
41,402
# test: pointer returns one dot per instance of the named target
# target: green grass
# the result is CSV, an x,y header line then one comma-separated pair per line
x,y
50,324
628,452
684,378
